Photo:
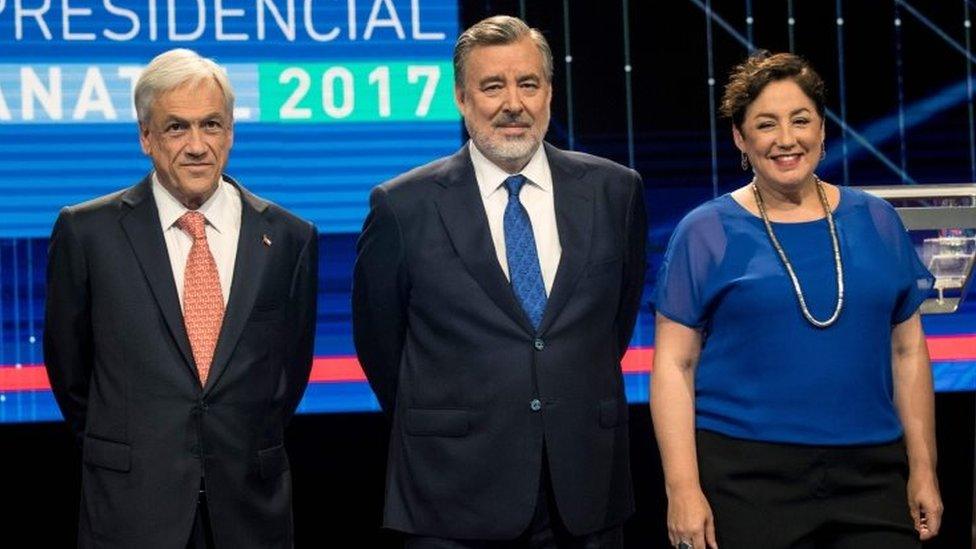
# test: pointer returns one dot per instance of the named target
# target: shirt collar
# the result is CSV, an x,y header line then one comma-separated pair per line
x,y
490,177
213,210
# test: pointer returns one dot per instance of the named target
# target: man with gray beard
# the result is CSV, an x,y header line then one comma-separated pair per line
x,y
495,292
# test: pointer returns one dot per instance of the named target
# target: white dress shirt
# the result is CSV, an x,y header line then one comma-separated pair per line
x,y
223,214
537,199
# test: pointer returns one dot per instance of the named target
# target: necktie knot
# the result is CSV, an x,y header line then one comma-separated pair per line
x,y
193,224
514,184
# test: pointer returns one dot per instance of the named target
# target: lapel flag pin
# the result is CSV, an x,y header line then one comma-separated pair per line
x,y
266,240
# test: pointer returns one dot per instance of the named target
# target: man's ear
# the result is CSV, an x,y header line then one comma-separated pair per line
x,y
230,133
459,97
145,141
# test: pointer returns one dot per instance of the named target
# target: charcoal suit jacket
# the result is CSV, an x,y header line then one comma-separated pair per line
x,y
123,373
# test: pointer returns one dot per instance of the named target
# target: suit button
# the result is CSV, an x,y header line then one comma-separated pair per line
x,y
203,405
539,344
535,405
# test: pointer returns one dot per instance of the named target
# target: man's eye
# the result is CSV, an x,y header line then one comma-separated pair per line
x,y
174,127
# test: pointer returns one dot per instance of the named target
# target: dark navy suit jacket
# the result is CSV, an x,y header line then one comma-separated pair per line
x,y
474,391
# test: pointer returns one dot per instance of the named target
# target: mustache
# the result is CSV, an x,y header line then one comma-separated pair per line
x,y
506,119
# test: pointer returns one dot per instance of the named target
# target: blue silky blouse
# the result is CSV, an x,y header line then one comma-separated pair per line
x,y
767,374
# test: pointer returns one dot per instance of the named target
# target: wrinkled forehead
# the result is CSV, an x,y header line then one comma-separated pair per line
x,y
200,96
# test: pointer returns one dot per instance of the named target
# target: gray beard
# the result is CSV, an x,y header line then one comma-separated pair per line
x,y
516,149
505,149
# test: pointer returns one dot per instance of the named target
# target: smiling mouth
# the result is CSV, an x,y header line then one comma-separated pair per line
x,y
786,159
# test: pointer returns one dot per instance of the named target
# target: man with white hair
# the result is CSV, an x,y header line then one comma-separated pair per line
x,y
179,327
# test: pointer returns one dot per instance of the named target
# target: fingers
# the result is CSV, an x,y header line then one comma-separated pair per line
x,y
699,540
922,526
699,537
927,517
916,515
929,522
710,533
690,520
692,535
934,519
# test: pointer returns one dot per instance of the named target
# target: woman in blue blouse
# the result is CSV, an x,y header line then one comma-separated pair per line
x,y
792,393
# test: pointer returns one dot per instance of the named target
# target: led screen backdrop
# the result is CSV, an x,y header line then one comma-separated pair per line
x,y
335,96
321,86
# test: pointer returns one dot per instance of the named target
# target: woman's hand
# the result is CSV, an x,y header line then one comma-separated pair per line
x,y
690,519
925,504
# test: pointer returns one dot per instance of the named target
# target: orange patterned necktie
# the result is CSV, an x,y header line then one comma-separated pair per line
x,y
203,303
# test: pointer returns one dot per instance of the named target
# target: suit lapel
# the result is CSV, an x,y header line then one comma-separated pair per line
x,y
252,255
141,226
463,213
574,220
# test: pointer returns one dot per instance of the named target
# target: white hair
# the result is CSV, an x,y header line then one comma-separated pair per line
x,y
172,69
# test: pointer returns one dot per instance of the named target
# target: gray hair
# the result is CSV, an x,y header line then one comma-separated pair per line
x,y
172,69
498,31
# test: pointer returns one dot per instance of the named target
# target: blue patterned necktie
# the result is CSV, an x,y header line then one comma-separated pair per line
x,y
523,259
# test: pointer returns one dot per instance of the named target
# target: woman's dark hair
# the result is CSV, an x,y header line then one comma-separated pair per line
x,y
749,79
